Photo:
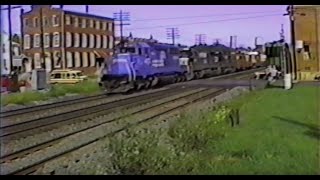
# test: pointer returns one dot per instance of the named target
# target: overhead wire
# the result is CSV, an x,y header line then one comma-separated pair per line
x,y
202,16
204,22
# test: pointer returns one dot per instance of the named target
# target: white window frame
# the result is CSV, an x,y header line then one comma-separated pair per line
x,y
56,42
98,41
77,59
36,22
91,22
92,59
75,21
83,23
54,22
46,38
85,59
104,26
110,26
84,42
36,40
26,41
104,42
37,60
26,22
68,39
76,40
55,59
97,25
92,39
68,20
69,59
44,20
111,39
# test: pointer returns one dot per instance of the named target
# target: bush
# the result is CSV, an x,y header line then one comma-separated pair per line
x,y
174,152
84,88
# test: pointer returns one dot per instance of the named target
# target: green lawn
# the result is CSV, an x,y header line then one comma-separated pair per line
x,y
278,134
84,88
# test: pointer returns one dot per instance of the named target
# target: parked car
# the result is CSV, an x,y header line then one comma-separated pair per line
x,y
67,76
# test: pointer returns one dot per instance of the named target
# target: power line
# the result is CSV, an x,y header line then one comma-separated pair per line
x,y
190,17
204,22
173,34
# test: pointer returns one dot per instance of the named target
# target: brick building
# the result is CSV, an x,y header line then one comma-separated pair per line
x,y
307,35
70,39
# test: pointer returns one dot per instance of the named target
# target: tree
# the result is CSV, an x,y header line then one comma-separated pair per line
x,y
16,38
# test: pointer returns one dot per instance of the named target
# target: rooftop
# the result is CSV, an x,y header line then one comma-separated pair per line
x,y
88,15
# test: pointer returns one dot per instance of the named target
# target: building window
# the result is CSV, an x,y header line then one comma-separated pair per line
x,y
26,41
84,40
68,20
98,41
76,40
68,39
92,59
46,40
26,22
57,59
84,59
45,21
91,43
83,23
306,52
37,60
104,42
97,24
91,23
110,27
56,39
110,42
77,59
104,26
36,39
55,20
69,60
48,61
3,48
36,22
75,21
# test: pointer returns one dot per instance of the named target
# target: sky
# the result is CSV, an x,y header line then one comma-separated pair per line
x,y
215,21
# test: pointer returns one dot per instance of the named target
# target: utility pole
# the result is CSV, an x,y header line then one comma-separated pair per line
x,y
122,17
173,34
42,39
200,39
282,37
216,41
290,13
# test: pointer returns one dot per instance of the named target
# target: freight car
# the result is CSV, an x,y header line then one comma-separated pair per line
x,y
138,65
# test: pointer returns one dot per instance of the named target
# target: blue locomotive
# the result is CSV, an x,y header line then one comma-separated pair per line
x,y
138,65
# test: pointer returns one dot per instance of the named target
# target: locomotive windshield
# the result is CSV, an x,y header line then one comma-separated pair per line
x,y
127,50
185,53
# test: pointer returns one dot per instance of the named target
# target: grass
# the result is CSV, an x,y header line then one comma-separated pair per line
x,y
278,134
84,88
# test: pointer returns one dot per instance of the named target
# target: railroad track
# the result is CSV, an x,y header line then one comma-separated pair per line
x,y
192,97
24,129
98,111
12,114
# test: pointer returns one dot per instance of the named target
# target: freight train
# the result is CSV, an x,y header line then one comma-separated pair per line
x,y
139,65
